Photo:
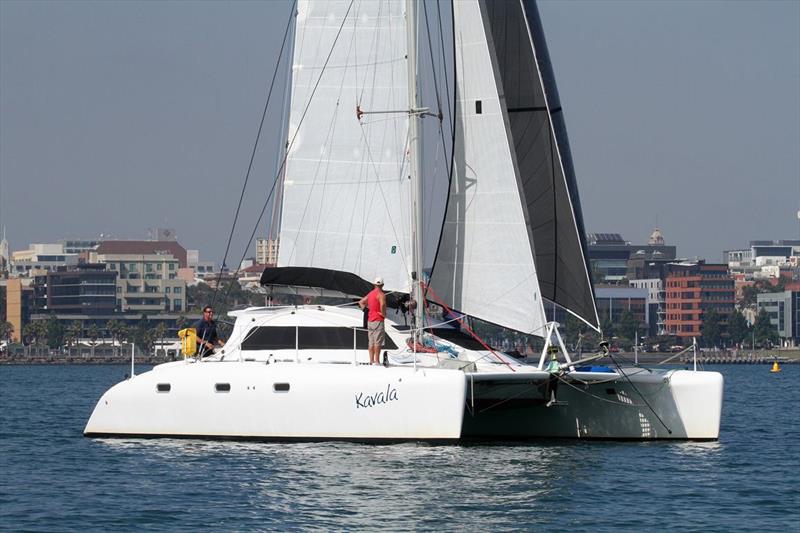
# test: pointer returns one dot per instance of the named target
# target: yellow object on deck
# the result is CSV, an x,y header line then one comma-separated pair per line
x,y
775,367
188,338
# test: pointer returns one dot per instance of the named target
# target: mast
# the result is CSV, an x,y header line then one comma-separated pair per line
x,y
414,164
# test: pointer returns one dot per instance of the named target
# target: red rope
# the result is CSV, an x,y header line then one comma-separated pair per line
x,y
427,289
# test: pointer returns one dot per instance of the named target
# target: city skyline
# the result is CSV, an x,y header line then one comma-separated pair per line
x,y
119,117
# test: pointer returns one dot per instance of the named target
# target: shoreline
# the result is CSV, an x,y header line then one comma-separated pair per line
x,y
623,358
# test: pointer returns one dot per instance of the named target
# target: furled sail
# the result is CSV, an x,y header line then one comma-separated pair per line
x,y
543,156
485,266
346,190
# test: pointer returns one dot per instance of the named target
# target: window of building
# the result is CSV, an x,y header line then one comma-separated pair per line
x,y
177,304
166,290
172,266
177,290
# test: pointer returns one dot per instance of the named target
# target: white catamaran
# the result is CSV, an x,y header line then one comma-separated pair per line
x,y
503,236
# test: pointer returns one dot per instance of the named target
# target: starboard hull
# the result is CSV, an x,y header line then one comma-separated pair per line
x,y
647,406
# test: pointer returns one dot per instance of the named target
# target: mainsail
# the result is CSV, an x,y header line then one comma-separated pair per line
x,y
346,194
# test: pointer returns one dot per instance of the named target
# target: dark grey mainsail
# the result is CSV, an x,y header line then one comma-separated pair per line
x,y
543,156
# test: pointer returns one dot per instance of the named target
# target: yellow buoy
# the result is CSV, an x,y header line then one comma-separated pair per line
x,y
775,367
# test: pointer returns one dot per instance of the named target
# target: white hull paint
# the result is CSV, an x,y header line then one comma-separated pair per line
x,y
257,392
323,401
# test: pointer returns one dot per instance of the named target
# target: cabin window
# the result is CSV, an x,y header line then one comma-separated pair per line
x,y
611,391
478,107
163,387
309,338
222,387
280,387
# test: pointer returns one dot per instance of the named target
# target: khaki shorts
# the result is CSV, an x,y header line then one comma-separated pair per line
x,y
376,333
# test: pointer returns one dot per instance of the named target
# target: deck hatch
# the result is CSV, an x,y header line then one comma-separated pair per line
x,y
163,387
280,387
222,387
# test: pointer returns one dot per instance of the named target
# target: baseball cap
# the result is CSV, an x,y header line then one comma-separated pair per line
x,y
378,281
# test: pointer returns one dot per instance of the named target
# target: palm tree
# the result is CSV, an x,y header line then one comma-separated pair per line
x,y
113,328
93,334
6,330
73,333
122,334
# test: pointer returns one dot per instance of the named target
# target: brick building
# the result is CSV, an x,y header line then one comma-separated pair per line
x,y
691,290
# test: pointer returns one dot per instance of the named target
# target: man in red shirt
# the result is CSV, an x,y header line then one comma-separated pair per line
x,y
375,301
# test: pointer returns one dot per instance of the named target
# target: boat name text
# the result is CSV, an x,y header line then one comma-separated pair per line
x,y
371,400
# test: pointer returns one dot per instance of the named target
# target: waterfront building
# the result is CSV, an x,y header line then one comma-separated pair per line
x,y
5,258
200,269
693,288
86,289
612,257
613,301
763,259
655,303
19,302
78,246
147,274
784,313
40,258
266,251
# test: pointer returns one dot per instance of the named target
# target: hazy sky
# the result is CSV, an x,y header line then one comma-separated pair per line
x,y
119,116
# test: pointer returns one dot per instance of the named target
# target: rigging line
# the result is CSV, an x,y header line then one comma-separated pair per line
x,y
436,83
606,400
294,137
463,325
255,148
640,394
453,118
441,39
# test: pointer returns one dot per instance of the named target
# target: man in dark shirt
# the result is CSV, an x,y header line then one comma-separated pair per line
x,y
207,337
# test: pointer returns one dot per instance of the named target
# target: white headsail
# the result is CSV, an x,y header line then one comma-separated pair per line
x,y
485,266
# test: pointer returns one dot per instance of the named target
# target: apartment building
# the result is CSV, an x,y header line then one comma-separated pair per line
x,y
784,313
85,290
692,289
147,274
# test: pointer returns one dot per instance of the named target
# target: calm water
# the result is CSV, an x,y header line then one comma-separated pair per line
x,y
54,479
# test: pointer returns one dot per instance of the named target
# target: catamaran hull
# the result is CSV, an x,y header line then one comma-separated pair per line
x,y
669,405
284,401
